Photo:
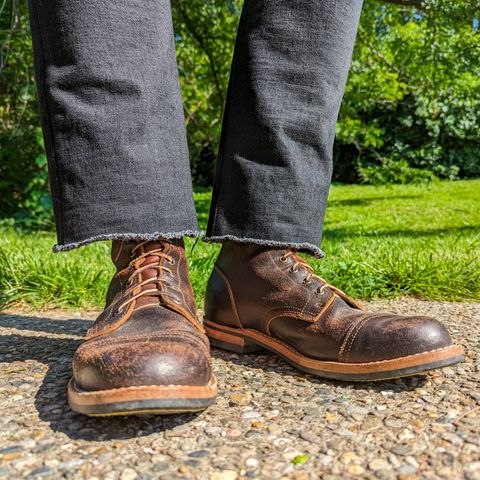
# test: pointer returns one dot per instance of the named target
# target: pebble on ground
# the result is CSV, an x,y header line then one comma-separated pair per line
x,y
270,421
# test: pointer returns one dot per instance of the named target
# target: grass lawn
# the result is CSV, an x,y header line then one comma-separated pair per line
x,y
422,241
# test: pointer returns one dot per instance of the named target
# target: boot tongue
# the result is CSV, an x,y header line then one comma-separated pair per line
x,y
155,260
121,250
165,290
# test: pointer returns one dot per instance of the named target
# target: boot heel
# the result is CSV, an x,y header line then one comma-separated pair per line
x,y
229,341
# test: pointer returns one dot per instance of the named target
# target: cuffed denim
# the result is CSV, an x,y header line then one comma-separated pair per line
x,y
275,160
113,121
114,130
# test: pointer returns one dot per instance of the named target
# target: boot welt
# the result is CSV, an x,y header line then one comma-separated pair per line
x,y
248,340
138,400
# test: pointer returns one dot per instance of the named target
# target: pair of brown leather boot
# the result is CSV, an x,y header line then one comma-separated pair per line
x,y
147,352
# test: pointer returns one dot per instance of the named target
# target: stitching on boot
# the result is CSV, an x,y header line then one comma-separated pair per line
x,y
230,295
348,342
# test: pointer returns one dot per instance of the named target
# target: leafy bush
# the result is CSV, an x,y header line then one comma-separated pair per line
x,y
205,37
413,94
23,189
394,172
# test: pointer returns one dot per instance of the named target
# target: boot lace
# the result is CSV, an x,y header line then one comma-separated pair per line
x,y
156,281
310,272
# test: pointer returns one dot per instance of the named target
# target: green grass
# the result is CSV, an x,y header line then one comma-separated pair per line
x,y
391,241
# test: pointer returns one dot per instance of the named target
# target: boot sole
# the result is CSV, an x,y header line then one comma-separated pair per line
x,y
142,400
247,340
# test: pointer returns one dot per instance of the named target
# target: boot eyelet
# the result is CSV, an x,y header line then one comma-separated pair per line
x,y
293,270
306,282
117,311
171,262
283,259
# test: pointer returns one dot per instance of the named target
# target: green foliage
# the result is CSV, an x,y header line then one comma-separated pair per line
x,y
393,172
388,241
23,183
411,111
413,96
205,36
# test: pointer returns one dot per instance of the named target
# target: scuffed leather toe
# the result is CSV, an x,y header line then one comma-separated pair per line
x,y
149,333
264,297
169,359
384,337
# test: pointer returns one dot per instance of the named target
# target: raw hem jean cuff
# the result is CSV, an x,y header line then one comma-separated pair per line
x,y
129,236
300,246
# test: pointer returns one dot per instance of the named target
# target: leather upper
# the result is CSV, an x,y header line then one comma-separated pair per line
x,y
274,291
149,333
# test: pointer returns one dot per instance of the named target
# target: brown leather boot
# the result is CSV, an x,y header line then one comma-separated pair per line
x,y
147,351
270,298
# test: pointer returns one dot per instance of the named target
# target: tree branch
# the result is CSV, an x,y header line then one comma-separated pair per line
x,y
406,3
200,40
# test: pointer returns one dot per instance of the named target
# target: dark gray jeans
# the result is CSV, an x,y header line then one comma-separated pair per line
x,y
114,131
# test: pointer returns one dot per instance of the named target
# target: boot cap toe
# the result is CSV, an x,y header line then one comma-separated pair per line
x,y
385,337
171,359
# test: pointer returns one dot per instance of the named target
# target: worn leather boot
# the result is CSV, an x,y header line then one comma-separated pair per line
x,y
270,298
147,351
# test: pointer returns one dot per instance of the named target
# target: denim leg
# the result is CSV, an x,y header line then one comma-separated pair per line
x,y
113,121
287,80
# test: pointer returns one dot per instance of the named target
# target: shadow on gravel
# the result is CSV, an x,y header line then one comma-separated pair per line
x,y
56,354
74,326
264,362
51,397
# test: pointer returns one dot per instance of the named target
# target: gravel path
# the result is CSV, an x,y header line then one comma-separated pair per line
x,y
270,421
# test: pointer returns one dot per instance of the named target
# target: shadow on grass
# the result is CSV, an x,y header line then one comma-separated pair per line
x,y
365,201
56,353
341,233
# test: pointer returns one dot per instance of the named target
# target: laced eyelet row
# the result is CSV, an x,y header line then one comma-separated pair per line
x,y
307,280
160,249
154,280
319,291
